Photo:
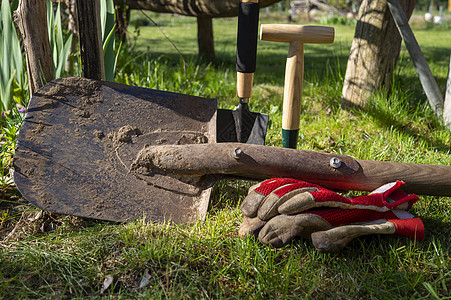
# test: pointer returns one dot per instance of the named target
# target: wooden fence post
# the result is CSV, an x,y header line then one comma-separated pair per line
x,y
91,49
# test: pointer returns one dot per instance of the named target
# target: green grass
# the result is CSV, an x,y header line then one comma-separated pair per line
x,y
44,255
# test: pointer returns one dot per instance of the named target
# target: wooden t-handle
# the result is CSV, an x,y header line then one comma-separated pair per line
x,y
297,36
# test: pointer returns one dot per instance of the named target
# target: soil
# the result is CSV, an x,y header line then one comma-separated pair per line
x,y
98,133
124,135
149,158
71,86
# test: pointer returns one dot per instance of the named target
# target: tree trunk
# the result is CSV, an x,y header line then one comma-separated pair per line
x,y
122,19
374,52
205,38
31,19
91,49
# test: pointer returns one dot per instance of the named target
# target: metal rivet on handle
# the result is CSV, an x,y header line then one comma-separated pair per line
x,y
236,153
335,162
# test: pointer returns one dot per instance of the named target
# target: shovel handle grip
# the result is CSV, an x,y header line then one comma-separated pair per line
x,y
246,46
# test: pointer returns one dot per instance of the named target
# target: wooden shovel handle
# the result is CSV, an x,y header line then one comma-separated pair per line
x,y
263,162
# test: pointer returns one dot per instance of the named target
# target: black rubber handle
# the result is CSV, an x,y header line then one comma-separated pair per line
x,y
246,45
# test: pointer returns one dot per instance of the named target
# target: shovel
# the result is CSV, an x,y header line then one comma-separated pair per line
x,y
242,125
79,136
113,152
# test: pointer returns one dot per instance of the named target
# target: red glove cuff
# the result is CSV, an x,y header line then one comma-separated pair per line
x,y
413,228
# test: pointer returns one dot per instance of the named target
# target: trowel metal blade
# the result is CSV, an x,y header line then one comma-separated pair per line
x,y
253,128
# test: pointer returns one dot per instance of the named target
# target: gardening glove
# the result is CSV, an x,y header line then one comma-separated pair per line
x,y
288,197
291,196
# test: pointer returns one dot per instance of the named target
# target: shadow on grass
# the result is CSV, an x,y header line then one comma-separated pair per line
x,y
270,67
436,229
228,193
386,119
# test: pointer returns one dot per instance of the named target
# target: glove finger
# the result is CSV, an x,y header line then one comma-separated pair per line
x,y
335,239
271,235
250,227
282,229
297,203
281,240
252,203
258,192
271,204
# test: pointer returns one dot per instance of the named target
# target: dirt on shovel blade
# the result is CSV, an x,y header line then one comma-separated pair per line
x,y
81,136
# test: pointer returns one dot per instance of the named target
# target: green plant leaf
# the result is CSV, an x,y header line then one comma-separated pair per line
x,y
6,93
62,57
107,15
6,38
50,18
11,63
109,57
59,44
58,29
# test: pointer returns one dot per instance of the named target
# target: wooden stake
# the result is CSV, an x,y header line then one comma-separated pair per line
x,y
91,49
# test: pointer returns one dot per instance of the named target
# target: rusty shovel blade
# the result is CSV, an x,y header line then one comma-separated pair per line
x,y
80,137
